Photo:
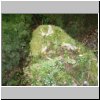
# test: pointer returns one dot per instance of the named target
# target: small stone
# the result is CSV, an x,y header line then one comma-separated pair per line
x,y
85,83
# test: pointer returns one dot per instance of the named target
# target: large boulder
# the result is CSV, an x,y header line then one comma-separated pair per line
x,y
58,59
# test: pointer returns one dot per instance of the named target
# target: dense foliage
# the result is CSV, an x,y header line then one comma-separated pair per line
x,y
16,36
74,24
17,33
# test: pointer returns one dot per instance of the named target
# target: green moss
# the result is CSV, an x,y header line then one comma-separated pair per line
x,y
38,40
64,66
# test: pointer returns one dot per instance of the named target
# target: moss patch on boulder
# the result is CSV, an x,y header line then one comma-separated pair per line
x,y
59,60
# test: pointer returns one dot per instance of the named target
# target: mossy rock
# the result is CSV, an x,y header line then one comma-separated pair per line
x,y
58,59
50,36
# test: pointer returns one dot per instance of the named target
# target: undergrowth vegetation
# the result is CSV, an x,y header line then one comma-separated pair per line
x,y
44,50
15,39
